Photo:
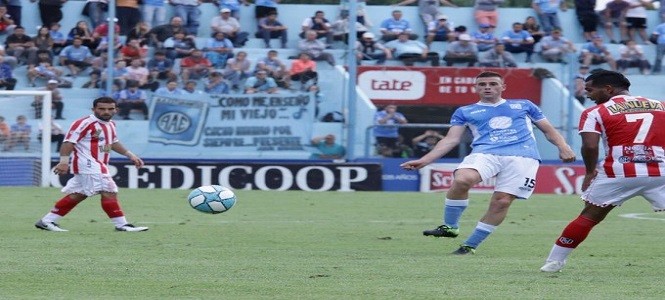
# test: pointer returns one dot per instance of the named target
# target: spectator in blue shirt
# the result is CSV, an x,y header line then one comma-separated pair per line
x,y
216,84
547,13
218,50
327,148
484,38
20,134
260,83
160,67
385,131
595,53
132,98
171,89
392,27
59,39
518,40
271,28
7,79
76,57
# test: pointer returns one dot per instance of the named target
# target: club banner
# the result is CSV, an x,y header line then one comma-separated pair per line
x,y
315,177
551,179
224,126
439,86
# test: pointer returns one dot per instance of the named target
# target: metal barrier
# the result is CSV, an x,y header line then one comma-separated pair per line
x,y
368,135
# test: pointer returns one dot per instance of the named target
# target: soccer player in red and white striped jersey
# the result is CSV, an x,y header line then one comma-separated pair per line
x,y
634,163
88,145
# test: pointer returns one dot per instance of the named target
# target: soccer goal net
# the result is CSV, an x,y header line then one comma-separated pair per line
x,y
26,153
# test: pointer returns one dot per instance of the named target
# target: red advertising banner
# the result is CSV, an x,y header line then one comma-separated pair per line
x,y
439,86
551,179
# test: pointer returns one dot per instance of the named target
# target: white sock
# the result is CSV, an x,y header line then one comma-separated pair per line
x,y
51,218
559,253
119,221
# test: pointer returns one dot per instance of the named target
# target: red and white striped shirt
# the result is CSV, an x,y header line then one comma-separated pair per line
x,y
630,127
93,139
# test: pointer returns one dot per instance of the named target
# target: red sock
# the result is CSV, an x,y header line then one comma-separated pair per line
x,y
112,207
576,231
64,205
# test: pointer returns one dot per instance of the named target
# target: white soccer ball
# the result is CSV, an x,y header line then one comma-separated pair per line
x,y
212,199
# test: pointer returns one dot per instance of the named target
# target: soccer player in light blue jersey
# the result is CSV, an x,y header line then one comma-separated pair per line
x,y
504,147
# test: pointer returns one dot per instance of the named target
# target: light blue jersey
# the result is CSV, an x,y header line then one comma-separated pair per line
x,y
504,128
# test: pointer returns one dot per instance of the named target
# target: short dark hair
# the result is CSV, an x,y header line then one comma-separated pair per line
x,y
600,77
489,74
103,100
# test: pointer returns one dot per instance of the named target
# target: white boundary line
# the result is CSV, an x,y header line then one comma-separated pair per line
x,y
640,216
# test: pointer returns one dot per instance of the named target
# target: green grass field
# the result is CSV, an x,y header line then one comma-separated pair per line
x,y
299,245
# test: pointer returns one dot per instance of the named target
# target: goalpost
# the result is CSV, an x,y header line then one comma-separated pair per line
x,y
12,163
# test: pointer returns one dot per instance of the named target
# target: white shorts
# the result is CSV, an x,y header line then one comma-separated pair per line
x,y
515,175
605,191
90,184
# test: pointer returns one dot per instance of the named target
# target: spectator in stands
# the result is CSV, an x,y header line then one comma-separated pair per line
x,y
428,10
595,53
340,28
361,14
5,131
498,57
518,40
82,31
461,51
271,28
459,30
410,51
179,46
326,148
57,135
547,11
614,14
315,48
161,33
303,70
56,100
555,47
260,83
76,57
659,35
140,32
579,90
20,134
43,68
95,81
264,8
484,37
230,26
171,89
190,88
12,61
103,45
133,50
392,27
440,30
631,55
132,98
102,29
153,12
218,50
128,14
95,10
233,5
237,69
7,79
319,24
587,17
160,67
636,19
7,24
533,28
188,11
21,46
59,39
14,9
216,84
425,142
137,72
118,72
369,49
386,130
275,68
485,11
195,66
50,11
116,88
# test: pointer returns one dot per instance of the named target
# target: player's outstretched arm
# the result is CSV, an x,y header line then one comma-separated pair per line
x,y
120,149
566,154
450,141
